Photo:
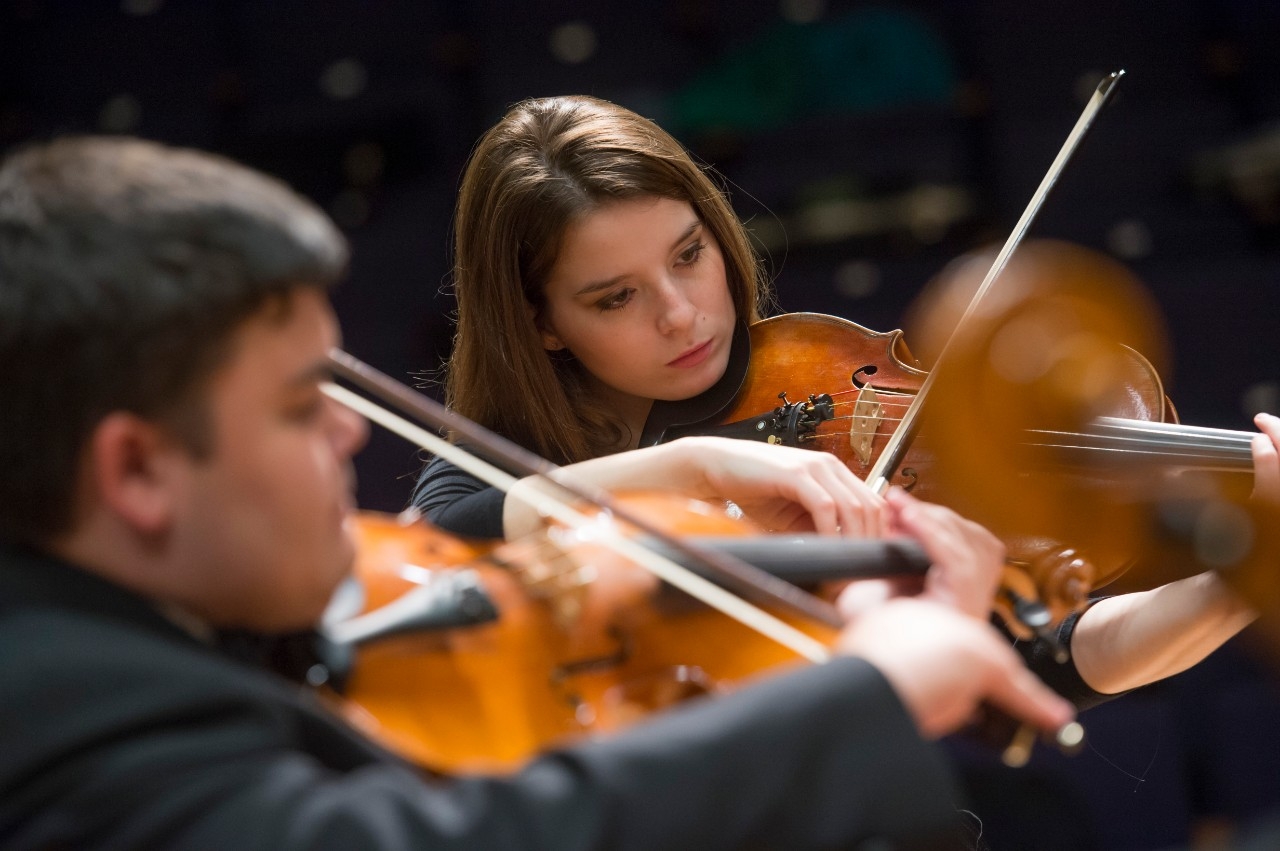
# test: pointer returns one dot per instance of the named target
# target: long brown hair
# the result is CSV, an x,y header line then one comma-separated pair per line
x,y
547,164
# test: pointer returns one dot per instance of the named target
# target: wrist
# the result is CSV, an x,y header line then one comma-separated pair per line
x,y
689,463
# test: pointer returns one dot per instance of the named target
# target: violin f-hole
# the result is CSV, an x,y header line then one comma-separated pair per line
x,y
597,663
868,370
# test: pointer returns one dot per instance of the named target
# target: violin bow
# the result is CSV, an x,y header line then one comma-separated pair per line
x,y
731,570
896,448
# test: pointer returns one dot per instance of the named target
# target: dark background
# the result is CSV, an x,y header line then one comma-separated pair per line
x,y
868,144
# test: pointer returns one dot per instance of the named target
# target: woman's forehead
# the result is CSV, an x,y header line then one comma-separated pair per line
x,y
620,234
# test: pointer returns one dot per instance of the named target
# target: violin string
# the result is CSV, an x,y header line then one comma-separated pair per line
x,y
1229,453
607,535
856,416
885,391
1184,437
1135,436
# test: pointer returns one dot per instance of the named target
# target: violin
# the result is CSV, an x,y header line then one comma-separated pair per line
x,y
1036,593
580,642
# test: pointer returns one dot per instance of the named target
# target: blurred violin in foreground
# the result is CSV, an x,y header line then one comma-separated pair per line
x,y
548,639
478,656
1028,405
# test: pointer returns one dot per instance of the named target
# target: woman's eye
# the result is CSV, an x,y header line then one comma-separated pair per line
x,y
691,254
616,300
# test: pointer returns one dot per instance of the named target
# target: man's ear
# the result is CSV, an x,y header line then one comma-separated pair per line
x,y
132,468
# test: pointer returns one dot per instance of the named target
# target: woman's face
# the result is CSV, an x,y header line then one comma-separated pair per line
x,y
639,296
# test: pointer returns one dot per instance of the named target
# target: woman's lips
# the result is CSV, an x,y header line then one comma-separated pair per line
x,y
693,357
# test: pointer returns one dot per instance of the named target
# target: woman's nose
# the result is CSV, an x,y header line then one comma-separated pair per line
x,y
676,312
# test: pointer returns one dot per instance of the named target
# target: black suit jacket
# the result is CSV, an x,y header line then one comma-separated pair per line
x,y
120,730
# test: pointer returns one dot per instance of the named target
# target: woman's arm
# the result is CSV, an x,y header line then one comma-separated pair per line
x,y
1124,642
781,488
1134,639
457,502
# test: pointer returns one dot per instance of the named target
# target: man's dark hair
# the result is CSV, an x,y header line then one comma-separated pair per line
x,y
125,268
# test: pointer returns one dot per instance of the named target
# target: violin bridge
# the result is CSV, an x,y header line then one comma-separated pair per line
x,y
867,413
551,574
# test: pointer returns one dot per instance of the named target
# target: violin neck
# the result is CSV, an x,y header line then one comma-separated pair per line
x,y
811,559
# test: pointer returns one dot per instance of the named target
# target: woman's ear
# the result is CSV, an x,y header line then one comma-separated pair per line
x,y
550,341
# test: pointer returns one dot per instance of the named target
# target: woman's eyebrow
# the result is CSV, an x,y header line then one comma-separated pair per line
x,y
596,286
688,232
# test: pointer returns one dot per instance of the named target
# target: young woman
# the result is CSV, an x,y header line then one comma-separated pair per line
x,y
598,269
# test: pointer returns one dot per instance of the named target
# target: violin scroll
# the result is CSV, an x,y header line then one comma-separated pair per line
x,y
1042,584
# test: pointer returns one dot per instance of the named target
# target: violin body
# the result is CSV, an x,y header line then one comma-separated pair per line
x,y
809,356
795,384
584,643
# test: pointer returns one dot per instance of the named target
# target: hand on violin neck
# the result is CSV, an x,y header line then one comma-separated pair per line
x,y
967,560
944,665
